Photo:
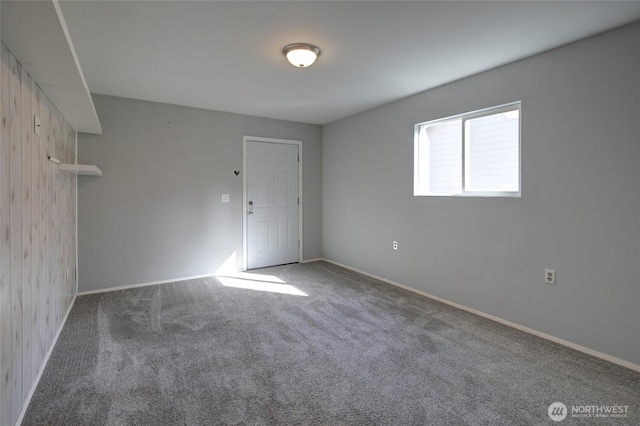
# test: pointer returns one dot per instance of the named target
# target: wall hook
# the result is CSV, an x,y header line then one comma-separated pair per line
x,y
237,172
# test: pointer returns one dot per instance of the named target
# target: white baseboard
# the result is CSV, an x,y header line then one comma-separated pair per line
x,y
318,259
546,336
27,401
125,287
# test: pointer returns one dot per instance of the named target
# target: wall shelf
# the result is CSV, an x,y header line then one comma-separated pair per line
x,y
80,169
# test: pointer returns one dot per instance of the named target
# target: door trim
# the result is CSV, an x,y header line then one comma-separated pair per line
x,y
245,246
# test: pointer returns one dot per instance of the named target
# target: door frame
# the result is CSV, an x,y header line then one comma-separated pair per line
x,y
245,217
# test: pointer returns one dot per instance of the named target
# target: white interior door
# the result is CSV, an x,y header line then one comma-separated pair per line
x,y
272,204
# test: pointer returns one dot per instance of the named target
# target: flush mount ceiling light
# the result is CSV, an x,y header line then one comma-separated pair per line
x,y
301,55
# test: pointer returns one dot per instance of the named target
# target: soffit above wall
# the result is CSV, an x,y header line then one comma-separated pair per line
x,y
36,33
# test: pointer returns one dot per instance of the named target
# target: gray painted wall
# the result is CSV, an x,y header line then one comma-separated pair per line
x,y
156,214
579,213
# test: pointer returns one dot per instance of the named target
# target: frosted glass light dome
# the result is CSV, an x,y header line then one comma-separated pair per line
x,y
301,55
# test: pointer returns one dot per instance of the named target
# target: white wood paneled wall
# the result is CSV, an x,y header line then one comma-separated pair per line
x,y
37,232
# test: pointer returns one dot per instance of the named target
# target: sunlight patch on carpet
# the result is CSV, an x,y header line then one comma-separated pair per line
x,y
268,283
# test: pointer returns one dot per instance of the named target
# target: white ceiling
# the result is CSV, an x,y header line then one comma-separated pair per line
x,y
227,55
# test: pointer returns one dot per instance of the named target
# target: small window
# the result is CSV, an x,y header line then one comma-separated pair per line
x,y
476,154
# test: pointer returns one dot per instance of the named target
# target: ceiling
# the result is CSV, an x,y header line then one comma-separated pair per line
x,y
226,56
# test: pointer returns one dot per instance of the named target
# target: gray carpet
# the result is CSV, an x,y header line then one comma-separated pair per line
x,y
352,351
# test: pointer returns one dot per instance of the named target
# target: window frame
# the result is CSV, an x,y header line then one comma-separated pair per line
x,y
464,117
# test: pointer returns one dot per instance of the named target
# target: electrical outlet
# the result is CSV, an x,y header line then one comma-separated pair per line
x,y
550,276
395,245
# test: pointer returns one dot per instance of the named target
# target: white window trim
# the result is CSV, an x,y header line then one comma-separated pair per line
x,y
464,117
